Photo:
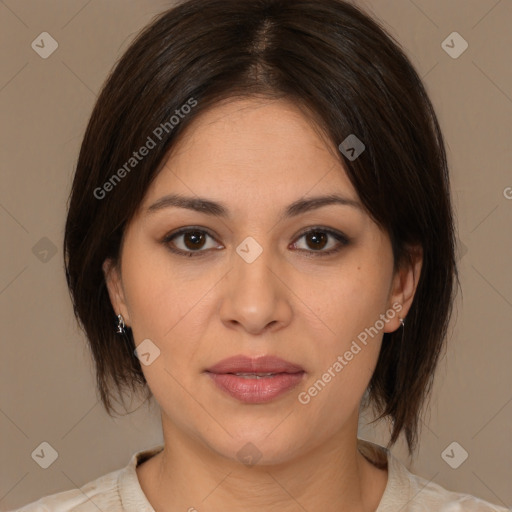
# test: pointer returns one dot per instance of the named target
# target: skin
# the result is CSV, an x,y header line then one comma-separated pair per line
x,y
257,157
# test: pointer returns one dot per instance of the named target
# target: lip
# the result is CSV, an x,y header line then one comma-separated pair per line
x,y
255,390
263,364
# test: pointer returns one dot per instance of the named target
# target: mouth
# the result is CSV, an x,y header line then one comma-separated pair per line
x,y
252,380
254,375
253,367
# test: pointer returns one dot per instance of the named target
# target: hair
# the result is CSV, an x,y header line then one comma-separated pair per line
x,y
351,77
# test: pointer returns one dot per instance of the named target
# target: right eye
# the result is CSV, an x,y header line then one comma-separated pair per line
x,y
191,241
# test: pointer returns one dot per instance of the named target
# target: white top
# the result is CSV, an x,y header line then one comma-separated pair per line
x,y
120,491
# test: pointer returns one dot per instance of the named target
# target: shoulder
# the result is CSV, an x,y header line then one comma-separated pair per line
x,y
423,495
118,490
98,494
407,492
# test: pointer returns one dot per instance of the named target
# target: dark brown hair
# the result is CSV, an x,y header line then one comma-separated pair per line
x,y
336,63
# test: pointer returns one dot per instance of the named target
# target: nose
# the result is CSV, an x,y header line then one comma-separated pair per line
x,y
256,297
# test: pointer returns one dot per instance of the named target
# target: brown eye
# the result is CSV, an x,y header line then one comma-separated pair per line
x,y
317,239
189,242
194,240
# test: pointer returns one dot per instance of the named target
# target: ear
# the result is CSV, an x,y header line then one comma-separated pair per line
x,y
403,287
114,284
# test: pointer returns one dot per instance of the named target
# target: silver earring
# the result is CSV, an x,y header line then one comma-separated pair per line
x,y
402,321
120,325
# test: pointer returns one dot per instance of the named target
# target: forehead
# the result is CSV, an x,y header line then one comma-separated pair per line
x,y
252,149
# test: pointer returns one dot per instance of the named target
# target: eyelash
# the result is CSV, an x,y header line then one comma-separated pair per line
x,y
344,240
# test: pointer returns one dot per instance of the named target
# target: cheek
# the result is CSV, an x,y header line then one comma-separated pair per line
x,y
166,308
157,295
170,307
350,300
349,305
343,369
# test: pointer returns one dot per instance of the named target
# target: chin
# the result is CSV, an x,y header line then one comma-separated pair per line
x,y
256,447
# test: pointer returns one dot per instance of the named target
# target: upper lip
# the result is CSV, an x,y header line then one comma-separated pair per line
x,y
262,364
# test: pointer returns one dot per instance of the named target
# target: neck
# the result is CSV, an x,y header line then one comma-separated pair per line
x,y
332,476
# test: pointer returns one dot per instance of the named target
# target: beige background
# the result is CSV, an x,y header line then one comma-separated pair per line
x,y
47,384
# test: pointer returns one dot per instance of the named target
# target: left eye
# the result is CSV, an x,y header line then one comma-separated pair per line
x,y
318,239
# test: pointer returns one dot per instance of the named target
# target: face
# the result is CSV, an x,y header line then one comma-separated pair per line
x,y
303,284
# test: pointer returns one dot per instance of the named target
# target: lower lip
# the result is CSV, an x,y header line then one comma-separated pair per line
x,y
256,391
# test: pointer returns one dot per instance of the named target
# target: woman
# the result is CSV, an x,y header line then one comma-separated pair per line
x,y
260,235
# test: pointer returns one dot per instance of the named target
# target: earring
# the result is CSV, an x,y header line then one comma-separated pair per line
x,y
120,325
402,321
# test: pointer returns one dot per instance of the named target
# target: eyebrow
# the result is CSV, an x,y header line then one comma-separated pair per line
x,y
216,209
